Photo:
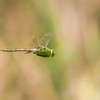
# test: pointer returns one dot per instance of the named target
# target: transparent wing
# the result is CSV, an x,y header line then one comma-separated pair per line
x,y
34,41
43,42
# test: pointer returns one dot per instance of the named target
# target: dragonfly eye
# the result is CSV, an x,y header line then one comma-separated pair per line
x,y
53,53
34,50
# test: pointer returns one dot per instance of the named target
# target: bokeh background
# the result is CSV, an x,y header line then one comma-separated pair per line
x,y
74,73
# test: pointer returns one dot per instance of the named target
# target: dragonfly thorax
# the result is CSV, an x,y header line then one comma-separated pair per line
x,y
44,52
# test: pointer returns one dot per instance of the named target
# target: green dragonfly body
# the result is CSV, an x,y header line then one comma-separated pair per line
x,y
42,49
44,52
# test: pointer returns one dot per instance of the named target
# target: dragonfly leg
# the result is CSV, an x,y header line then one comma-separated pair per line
x,y
28,52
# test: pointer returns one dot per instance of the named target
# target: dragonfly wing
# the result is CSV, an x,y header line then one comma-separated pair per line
x,y
34,41
43,42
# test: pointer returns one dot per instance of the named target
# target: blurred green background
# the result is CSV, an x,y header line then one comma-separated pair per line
x,y
74,73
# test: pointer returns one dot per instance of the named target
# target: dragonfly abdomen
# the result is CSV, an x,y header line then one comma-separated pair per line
x,y
16,50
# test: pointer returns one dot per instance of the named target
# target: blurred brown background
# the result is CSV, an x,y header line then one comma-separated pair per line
x,y
74,73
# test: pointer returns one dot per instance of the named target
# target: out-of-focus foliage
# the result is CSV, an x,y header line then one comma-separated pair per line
x,y
74,73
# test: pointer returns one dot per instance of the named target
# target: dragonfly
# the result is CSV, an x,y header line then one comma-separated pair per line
x,y
41,50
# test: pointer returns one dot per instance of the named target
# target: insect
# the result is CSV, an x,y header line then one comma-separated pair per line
x,y
41,50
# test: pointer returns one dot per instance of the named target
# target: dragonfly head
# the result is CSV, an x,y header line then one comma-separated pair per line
x,y
53,53
34,50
